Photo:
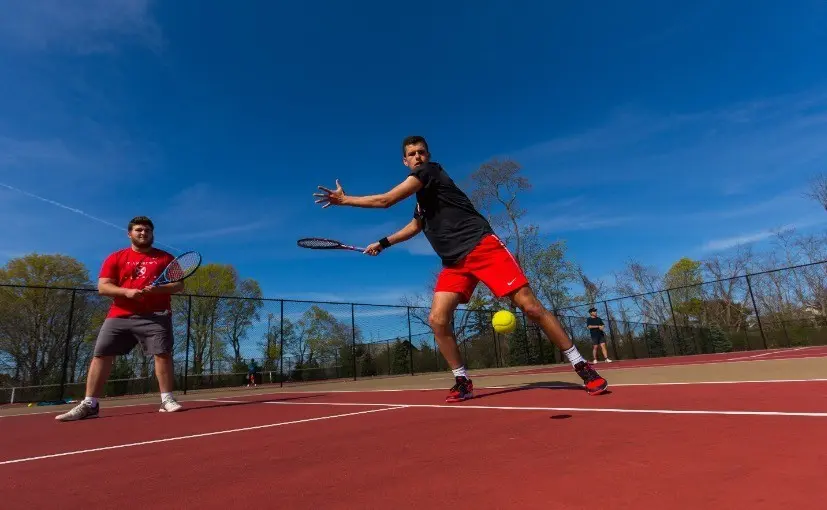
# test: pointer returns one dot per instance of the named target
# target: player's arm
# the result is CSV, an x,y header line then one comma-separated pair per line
x,y
400,192
108,288
167,288
408,231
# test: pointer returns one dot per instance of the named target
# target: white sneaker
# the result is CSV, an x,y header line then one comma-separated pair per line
x,y
81,411
608,360
170,405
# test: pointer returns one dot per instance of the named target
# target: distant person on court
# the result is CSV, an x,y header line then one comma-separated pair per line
x,y
595,325
139,314
470,252
251,373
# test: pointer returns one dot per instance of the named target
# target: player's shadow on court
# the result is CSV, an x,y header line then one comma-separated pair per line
x,y
215,405
551,385
249,402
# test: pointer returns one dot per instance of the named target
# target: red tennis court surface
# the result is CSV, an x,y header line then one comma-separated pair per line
x,y
535,445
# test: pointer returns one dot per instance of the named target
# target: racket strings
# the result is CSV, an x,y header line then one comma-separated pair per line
x,y
183,266
316,243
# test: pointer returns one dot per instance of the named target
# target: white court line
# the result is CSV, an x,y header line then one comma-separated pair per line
x,y
752,357
616,368
575,409
206,434
543,369
689,383
402,390
772,353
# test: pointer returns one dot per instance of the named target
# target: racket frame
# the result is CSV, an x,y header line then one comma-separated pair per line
x,y
161,280
335,245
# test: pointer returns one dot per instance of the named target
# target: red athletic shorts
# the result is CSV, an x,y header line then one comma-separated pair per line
x,y
489,262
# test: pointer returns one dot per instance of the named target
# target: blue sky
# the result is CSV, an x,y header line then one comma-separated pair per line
x,y
649,131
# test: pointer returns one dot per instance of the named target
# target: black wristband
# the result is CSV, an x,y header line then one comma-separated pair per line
x,y
384,243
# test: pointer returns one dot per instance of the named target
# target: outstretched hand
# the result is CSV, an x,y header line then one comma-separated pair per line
x,y
373,249
330,197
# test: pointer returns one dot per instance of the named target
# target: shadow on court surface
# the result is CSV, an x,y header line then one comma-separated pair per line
x,y
214,405
553,385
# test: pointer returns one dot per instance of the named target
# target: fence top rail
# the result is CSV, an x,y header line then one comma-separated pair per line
x,y
701,284
354,304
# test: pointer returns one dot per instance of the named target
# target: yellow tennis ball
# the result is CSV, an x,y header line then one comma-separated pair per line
x,y
504,321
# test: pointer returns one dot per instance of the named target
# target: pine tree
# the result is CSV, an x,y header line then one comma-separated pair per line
x,y
720,340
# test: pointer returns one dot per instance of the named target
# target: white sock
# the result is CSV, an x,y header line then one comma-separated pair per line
x,y
91,400
165,395
573,355
460,372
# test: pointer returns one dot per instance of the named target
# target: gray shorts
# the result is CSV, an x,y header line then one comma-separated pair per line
x,y
118,336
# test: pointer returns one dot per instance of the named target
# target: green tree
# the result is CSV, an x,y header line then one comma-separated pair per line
x,y
496,189
34,321
719,339
242,312
684,280
216,322
551,273
401,356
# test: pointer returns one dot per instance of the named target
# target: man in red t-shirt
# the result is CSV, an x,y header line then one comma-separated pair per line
x,y
139,314
471,253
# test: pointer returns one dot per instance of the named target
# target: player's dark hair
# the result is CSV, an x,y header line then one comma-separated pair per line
x,y
413,140
140,220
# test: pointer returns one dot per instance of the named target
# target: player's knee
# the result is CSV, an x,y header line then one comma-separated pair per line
x,y
439,322
533,310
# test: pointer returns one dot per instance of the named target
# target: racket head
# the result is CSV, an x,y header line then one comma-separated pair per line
x,y
181,268
322,243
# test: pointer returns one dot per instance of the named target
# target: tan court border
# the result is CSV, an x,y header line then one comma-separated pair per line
x,y
760,369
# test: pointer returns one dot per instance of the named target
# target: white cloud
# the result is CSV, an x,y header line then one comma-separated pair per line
x,y
79,26
587,221
727,243
378,296
202,211
738,240
574,213
222,231
727,151
419,245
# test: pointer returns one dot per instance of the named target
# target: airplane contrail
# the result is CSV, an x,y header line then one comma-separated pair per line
x,y
72,209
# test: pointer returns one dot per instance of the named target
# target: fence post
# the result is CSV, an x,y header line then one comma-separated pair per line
x,y
757,315
674,320
786,335
410,342
496,342
527,341
611,331
187,352
281,345
353,336
66,347
269,345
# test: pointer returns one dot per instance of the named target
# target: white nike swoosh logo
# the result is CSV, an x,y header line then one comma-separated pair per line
x,y
512,281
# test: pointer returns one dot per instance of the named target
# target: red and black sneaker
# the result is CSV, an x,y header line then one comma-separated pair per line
x,y
462,390
593,382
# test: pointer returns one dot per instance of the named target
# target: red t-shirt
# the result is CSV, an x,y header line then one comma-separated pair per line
x,y
130,269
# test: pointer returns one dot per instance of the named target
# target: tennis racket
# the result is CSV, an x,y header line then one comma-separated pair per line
x,y
320,243
182,267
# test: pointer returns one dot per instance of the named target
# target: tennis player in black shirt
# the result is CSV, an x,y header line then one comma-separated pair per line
x,y
470,252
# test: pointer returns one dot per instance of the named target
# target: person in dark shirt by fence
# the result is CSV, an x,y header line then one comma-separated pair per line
x,y
595,325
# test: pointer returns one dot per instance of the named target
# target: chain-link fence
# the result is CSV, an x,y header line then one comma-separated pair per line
x,y
47,334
